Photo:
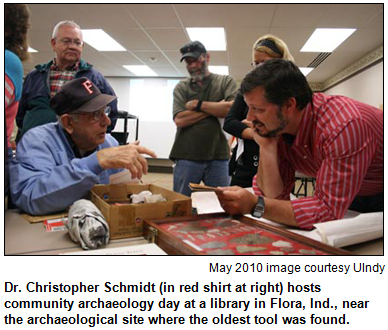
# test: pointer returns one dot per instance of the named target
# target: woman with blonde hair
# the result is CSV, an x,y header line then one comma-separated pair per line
x,y
245,157
269,46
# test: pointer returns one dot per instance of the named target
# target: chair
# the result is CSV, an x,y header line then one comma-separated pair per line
x,y
304,181
122,137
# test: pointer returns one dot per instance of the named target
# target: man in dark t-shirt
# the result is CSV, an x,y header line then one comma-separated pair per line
x,y
200,150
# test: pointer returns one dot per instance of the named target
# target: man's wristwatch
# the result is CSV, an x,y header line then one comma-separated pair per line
x,y
199,105
259,209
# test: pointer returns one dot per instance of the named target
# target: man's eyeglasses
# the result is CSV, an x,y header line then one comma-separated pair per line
x,y
96,115
68,42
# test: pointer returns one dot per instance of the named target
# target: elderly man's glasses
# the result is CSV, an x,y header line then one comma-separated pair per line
x,y
96,115
69,42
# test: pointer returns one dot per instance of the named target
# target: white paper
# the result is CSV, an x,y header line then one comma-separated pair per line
x,y
361,228
353,229
206,202
132,250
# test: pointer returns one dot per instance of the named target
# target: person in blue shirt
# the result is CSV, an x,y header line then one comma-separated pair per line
x,y
58,163
16,25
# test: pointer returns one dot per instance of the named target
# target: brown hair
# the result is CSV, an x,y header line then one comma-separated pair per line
x,y
16,25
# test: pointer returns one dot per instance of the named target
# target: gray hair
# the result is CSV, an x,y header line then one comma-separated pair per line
x,y
62,23
71,115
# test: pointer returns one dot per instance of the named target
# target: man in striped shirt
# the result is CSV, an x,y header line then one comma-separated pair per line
x,y
337,140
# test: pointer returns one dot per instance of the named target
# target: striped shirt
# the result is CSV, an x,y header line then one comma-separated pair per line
x,y
10,105
9,89
58,77
340,142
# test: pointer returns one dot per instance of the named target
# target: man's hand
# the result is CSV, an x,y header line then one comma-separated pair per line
x,y
268,143
128,156
191,105
247,122
217,109
236,200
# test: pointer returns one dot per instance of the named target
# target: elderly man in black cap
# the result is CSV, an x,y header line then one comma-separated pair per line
x,y
58,163
200,150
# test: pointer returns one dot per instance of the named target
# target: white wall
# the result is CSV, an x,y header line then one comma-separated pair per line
x,y
155,135
121,88
366,87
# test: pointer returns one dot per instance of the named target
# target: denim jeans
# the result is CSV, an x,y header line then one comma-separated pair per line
x,y
212,173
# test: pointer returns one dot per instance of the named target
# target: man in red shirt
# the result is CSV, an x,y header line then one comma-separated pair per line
x,y
337,140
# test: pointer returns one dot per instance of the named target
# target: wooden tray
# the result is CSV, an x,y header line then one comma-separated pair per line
x,y
223,234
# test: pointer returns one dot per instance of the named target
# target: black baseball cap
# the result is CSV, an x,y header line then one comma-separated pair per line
x,y
192,49
79,95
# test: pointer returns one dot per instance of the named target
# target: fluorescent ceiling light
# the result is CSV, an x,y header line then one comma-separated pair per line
x,y
140,70
306,71
32,50
212,38
326,40
101,41
219,69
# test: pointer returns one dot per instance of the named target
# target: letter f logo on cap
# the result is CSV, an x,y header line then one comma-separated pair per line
x,y
88,86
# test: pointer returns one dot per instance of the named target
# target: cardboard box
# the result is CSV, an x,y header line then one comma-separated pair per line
x,y
127,220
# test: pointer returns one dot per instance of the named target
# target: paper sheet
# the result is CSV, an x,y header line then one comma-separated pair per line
x,y
361,228
132,250
206,202
353,229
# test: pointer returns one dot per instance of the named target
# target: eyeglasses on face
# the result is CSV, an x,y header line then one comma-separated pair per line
x,y
256,64
68,42
96,115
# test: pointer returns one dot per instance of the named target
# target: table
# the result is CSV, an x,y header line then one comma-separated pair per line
x,y
24,238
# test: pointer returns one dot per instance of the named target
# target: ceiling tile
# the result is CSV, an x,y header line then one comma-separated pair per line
x,y
152,58
153,15
376,22
107,17
298,15
348,15
168,38
134,39
166,71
